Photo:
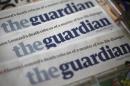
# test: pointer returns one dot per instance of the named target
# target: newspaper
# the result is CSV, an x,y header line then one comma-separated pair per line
x,y
65,65
41,12
56,33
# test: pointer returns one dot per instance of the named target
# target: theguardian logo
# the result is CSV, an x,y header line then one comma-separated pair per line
x,y
84,27
68,69
70,8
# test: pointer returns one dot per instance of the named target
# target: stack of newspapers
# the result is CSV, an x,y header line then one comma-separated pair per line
x,y
64,43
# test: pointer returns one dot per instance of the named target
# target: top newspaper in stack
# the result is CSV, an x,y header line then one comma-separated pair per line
x,y
56,33
38,13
